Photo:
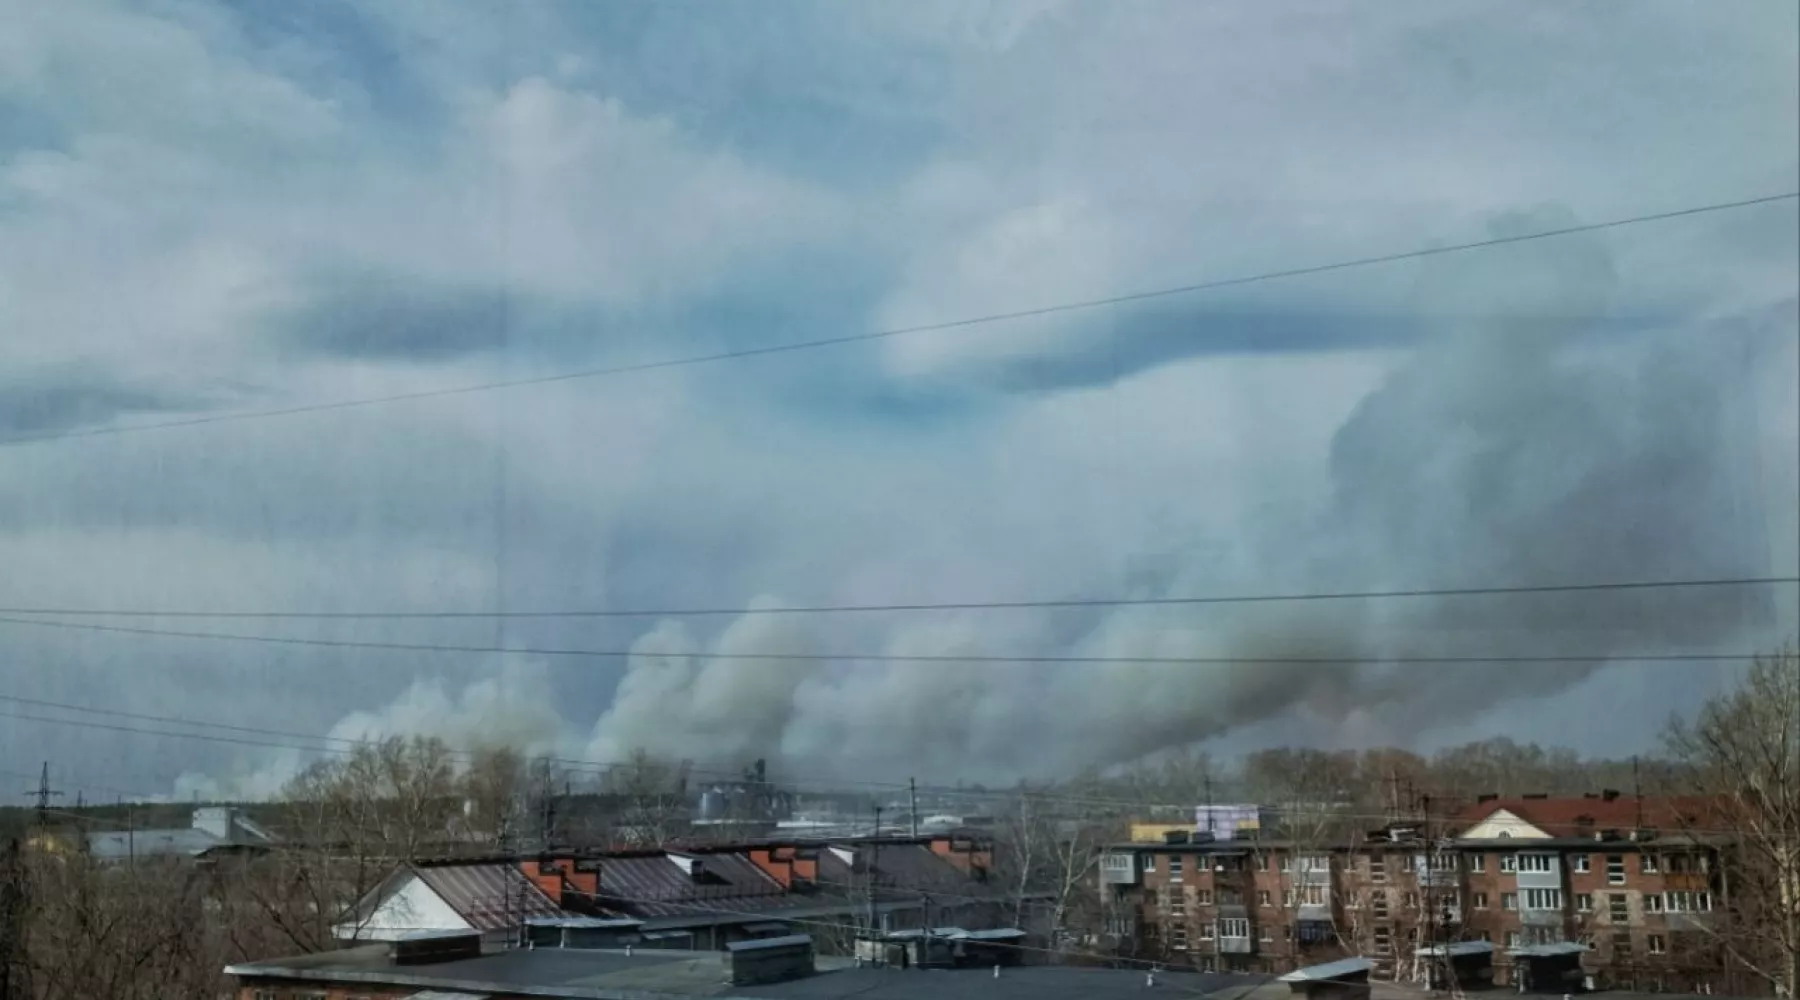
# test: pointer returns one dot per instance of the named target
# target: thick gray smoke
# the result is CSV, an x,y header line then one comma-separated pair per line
x,y
1530,437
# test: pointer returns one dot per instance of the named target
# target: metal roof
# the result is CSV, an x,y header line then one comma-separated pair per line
x,y
120,845
766,944
1329,970
1457,948
1550,950
490,895
654,886
585,923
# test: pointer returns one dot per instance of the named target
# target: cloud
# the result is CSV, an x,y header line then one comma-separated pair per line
x,y
266,208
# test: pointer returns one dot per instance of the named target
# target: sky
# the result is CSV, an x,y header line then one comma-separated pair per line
x,y
213,210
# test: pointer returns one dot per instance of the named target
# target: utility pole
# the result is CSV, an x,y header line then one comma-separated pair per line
x,y
43,794
912,799
869,871
1637,791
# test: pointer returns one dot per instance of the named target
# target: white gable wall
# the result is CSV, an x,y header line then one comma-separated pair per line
x,y
1502,824
408,907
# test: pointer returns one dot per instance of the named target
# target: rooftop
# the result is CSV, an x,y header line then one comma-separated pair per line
x,y
651,974
1574,817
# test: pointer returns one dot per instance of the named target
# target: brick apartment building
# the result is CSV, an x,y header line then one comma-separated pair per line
x,y
1634,881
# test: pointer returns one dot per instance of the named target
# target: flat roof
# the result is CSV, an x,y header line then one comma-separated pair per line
x,y
1549,950
770,944
1329,970
612,975
1457,948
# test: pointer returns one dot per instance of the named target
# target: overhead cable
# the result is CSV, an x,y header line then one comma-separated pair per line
x,y
1034,604
857,338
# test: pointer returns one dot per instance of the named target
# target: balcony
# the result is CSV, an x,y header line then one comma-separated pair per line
x,y
1119,869
1236,946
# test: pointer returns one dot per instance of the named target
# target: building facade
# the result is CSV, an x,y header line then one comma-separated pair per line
x,y
1521,874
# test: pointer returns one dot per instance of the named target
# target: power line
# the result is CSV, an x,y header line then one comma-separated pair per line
x,y
601,767
857,338
1047,603
951,658
348,745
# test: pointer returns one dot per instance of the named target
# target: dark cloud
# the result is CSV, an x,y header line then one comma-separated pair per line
x,y
63,397
397,318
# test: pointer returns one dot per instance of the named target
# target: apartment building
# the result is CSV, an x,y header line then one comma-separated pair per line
x,y
1634,882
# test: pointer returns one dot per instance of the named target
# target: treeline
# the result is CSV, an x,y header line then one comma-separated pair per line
x,y
1373,783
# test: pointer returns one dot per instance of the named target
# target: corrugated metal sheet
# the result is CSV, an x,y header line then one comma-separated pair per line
x,y
899,866
654,886
490,895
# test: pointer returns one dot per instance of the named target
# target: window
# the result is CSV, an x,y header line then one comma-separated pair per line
x,y
1543,899
1203,897
1315,863
1584,902
1206,932
1265,934
1263,898
1412,935
1178,938
1621,946
1230,897
1615,869
1353,898
1484,936
1479,900
1509,901
1378,900
1444,861
1175,868
1478,862
1653,903
1177,904
1384,940
1410,900
1149,862
1262,862
1540,863
1581,863
1509,863
1377,868
1655,945
1512,939
1690,902
1313,895
1234,927
1206,964
1617,908
1287,863
1685,863
1647,863
1287,898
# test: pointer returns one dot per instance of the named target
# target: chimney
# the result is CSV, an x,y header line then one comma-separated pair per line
x,y
1486,797
1609,794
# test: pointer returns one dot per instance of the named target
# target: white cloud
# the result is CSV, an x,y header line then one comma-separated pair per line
x,y
179,180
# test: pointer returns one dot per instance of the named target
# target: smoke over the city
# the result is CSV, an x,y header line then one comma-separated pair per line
x,y
1530,438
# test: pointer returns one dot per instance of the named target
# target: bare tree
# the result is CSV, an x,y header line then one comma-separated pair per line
x,y
1047,862
652,799
1743,751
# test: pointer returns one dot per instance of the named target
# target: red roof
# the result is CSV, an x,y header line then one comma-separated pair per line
x,y
1574,817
